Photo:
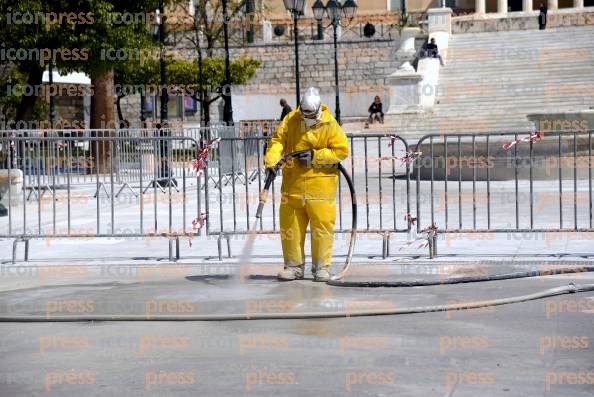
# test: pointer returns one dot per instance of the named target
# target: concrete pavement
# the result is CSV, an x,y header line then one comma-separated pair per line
x,y
536,348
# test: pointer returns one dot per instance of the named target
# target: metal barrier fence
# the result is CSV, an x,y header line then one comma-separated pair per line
x,y
380,174
464,183
166,182
469,178
504,183
69,155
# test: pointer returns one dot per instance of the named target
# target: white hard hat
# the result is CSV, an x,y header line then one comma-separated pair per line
x,y
310,103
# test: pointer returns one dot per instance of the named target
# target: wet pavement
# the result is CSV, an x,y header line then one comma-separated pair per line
x,y
536,348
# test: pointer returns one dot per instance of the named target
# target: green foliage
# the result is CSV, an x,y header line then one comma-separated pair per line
x,y
12,82
186,74
213,72
90,36
78,45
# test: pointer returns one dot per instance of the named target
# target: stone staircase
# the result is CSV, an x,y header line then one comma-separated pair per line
x,y
492,80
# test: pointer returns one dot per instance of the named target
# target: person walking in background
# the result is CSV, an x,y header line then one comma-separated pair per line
x,y
542,17
375,112
286,109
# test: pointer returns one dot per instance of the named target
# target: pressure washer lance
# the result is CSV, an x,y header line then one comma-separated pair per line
x,y
271,175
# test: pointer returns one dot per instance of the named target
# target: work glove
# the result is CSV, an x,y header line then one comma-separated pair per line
x,y
305,157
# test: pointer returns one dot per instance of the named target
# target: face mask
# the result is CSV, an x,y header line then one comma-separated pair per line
x,y
310,122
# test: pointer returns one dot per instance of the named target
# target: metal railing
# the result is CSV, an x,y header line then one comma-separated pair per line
x,y
69,155
469,179
505,182
381,178
165,180
355,32
463,183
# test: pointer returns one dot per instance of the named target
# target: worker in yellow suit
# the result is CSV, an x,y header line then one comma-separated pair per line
x,y
308,193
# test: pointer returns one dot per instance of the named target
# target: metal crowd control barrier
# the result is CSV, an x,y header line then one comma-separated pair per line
x,y
381,178
94,209
504,183
222,156
34,161
464,183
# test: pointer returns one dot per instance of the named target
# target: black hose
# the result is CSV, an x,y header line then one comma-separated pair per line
x,y
568,289
336,280
353,239
270,176
459,280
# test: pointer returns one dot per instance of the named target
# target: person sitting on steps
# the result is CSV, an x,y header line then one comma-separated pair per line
x,y
375,112
432,51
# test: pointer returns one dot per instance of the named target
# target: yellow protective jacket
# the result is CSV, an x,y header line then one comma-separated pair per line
x,y
329,144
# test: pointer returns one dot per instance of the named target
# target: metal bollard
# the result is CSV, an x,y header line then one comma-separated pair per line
x,y
385,245
14,248
220,247
432,240
177,248
228,246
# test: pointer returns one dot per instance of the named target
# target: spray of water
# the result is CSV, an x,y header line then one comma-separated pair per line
x,y
248,248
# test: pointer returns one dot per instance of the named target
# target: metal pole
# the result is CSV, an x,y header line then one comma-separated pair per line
x,y
142,110
320,31
164,94
164,146
250,9
52,100
201,95
297,77
228,108
337,111
199,50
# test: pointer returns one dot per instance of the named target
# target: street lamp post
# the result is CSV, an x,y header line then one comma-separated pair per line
x,y
199,50
158,29
336,12
142,109
228,106
250,9
296,8
320,35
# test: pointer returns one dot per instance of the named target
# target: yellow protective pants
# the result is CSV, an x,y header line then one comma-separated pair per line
x,y
311,202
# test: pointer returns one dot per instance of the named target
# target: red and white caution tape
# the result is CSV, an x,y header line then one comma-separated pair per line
x,y
410,219
424,239
201,162
429,231
197,224
532,137
392,139
409,157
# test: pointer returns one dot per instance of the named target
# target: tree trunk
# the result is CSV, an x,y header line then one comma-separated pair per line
x,y
102,117
25,109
